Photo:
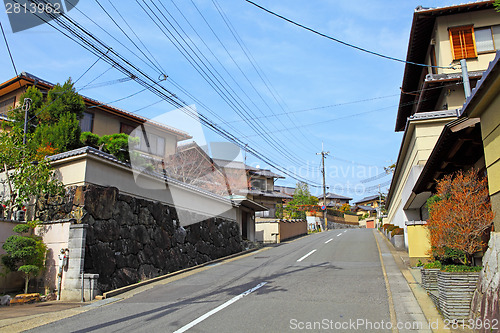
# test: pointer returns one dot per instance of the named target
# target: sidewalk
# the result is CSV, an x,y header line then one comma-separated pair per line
x,y
407,290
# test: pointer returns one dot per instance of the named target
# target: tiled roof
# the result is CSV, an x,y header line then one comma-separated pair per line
x,y
285,189
101,154
251,170
367,208
272,194
370,198
137,117
264,173
330,195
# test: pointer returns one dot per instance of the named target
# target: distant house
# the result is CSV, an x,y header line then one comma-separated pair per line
x,y
285,190
333,200
260,185
100,118
362,210
370,201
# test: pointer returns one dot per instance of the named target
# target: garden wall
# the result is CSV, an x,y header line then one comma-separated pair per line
x,y
129,239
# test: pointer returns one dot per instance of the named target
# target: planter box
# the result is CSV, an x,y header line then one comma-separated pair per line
x,y
398,241
455,294
430,279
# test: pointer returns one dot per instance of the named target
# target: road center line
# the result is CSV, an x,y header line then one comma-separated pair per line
x,y
307,255
328,241
220,307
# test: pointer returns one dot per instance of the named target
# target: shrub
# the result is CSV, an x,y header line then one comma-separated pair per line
x,y
461,268
459,215
89,139
434,264
397,231
24,253
392,227
386,226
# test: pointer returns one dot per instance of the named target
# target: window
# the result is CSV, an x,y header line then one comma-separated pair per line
x,y
487,38
87,122
484,40
462,42
127,129
258,184
6,105
153,145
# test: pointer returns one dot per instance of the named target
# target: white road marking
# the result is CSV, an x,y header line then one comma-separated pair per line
x,y
307,255
328,241
339,235
220,307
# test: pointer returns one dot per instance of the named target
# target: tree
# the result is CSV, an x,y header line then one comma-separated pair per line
x,y
25,252
345,208
459,215
52,122
26,177
301,197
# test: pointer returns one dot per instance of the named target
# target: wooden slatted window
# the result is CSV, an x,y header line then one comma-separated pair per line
x,y
463,44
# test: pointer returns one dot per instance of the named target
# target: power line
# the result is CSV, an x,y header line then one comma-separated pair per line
x,y
135,44
84,38
346,103
217,82
247,53
8,49
104,84
349,116
342,42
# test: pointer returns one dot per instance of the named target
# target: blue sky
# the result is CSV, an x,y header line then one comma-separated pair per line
x,y
331,93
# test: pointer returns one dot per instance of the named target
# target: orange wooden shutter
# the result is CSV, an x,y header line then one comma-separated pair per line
x,y
462,41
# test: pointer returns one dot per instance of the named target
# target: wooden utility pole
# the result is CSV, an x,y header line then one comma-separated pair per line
x,y
323,155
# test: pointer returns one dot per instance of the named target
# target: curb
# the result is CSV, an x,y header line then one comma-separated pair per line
x,y
424,301
122,290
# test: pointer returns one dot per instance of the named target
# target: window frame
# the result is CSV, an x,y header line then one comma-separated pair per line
x,y
91,122
7,103
496,44
463,48
153,139
492,39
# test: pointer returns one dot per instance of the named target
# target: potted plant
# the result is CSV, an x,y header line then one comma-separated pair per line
x,y
397,238
389,230
459,216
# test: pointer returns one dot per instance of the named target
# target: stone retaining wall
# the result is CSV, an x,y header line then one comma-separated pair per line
x,y
485,303
130,239
334,225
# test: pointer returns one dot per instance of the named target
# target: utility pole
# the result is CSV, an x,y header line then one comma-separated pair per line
x,y
323,155
26,108
465,78
379,215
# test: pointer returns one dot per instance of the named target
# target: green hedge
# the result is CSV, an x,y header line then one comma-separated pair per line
x,y
435,264
461,268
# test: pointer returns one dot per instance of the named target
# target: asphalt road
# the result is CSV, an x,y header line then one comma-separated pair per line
x,y
329,281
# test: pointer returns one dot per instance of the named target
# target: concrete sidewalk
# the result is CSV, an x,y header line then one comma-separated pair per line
x,y
410,298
